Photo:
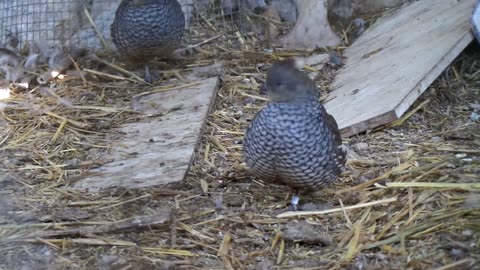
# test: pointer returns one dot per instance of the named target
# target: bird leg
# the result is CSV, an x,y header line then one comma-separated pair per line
x,y
294,201
149,78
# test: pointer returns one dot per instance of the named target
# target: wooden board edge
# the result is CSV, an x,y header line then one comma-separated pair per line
x,y
433,74
211,105
409,99
202,128
368,124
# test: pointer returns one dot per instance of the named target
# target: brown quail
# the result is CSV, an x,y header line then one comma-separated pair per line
x,y
293,140
144,29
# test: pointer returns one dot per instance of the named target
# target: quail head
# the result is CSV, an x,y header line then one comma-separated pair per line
x,y
144,29
293,140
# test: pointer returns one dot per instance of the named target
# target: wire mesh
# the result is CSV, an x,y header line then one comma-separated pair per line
x,y
67,23
54,21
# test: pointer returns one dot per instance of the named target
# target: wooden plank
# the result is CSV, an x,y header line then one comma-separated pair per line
x,y
395,61
159,150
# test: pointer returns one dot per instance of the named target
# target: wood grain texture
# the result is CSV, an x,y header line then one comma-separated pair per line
x,y
159,150
395,60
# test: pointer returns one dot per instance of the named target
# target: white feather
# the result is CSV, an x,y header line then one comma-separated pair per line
x,y
299,62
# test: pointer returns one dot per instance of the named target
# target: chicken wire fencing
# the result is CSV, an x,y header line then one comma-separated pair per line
x,y
62,22
86,23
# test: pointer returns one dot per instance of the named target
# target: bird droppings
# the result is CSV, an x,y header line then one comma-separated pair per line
x,y
361,146
312,206
265,265
307,233
111,262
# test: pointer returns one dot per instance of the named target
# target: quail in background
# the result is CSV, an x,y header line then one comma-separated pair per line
x,y
144,29
293,140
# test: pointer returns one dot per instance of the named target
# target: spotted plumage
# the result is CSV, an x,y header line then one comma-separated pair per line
x,y
293,140
143,29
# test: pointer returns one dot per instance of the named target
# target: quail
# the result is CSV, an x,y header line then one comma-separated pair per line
x,y
144,29
293,140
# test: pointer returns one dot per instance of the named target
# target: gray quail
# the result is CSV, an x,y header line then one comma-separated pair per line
x,y
144,29
293,140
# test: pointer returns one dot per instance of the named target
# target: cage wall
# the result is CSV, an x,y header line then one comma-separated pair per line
x,y
66,22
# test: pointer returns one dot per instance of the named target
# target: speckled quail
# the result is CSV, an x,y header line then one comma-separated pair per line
x,y
293,140
144,29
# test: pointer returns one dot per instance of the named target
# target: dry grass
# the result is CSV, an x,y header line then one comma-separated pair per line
x,y
409,199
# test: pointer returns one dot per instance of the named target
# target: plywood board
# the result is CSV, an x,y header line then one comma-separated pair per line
x,y
395,60
158,151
